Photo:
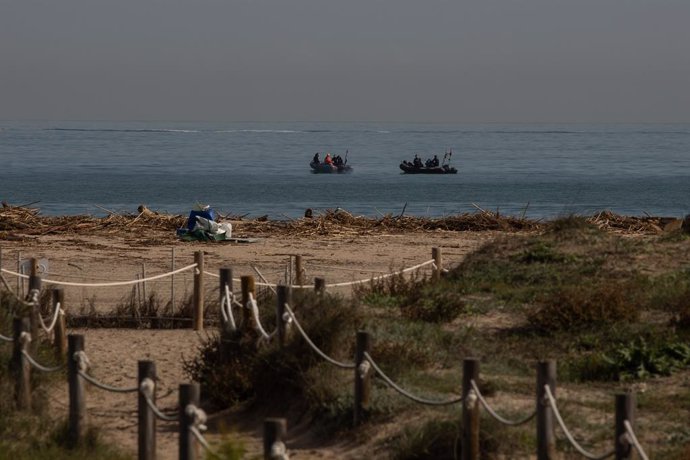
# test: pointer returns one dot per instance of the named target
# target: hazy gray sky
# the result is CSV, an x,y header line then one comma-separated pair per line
x,y
346,60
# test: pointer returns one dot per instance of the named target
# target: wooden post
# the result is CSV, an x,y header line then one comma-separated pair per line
x,y
247,288
275,430
225,280
34,288
147,419
172,280
319,285
283,296
143,283
198,320
470,414
77,395
60,331
20,280
362,382
20,366
189,394
625,410
546,438
438,261
298,268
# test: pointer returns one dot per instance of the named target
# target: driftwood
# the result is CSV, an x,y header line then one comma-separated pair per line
x,y
18,222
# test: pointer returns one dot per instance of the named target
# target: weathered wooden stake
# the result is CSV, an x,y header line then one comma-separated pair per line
x,y
198,319
147,419
225,280
283,294
77,395
546,438
172,279
438,261
60,330
299,273
247,288
625,410
20,366
34,287
319,285
189,394
470,413
143,283
362,380
275,430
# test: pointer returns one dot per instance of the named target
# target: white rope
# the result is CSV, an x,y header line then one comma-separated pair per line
x,y
82,366
494,414
105,387
390,382
39,366
146,389
226,307
251,304
279,451
376,278
580,449
265,283
10,272
633,438
288,310
57,312
115,283
6,339
200,438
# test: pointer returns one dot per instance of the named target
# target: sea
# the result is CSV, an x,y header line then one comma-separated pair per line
x,y
252,169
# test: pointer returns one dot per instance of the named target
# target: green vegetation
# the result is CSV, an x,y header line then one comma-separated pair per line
x,y
36,434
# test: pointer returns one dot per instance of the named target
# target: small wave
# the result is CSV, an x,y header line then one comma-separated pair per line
x,y
117,130
276,131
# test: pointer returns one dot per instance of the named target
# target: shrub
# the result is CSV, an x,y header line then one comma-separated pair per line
x,y
580,306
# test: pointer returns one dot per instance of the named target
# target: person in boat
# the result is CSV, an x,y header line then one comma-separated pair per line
x,y
429,163
337,160
435,162
417,162
328,160
316,158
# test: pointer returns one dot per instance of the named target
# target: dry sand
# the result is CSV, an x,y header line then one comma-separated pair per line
x,y
114,352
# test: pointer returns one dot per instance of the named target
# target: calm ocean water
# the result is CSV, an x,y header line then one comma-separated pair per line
x,y
262,168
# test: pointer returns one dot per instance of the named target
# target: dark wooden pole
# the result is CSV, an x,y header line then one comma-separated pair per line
x,y
20,366
34,288
247,288
362,382
275,430
546,438
283,294
147,419
77,395
199,291
319,285
299,276
438,261
189,394
625,410
225,280
470,414
60,331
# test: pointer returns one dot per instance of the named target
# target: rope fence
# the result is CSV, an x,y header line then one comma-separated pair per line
x,y
493,413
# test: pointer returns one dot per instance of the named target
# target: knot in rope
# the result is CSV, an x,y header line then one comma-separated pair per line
x,y
251,302
147,386
287,319
198,416
24,339
32,296
471,399
82,360
363,368
279,451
